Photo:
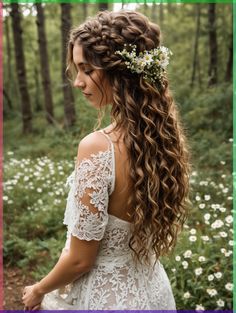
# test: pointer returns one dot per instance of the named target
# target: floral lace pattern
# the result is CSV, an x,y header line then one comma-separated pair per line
x,y
115,282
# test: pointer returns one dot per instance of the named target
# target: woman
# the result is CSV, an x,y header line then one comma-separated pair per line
x,y
128,192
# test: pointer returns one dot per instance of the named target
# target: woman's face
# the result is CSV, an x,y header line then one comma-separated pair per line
x,y
92,82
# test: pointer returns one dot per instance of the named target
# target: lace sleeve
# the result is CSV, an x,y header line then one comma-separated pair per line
x,y
92,181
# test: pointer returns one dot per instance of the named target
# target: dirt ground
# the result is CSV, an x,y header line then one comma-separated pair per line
x,y
13,282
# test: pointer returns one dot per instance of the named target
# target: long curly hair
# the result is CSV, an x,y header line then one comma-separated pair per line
x,y
153,135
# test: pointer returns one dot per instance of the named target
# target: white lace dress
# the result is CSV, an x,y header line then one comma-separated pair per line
x,y
115,282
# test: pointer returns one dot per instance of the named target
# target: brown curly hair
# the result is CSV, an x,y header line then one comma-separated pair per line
x,y
148,118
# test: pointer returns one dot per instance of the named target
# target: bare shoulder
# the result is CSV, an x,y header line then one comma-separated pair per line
x,y
92,143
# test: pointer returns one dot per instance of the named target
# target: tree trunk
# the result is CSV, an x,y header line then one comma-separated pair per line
x,y
8,79
103,6
69,106
37,90
20,65
228,73
195,53
154,12
85,10
212,72
161,14
45,73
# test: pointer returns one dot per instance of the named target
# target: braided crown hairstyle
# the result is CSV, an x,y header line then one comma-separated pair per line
x,y
148,118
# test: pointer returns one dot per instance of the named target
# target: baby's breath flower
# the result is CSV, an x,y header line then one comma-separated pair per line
x,y
151,63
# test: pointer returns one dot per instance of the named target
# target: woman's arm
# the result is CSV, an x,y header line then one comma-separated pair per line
x,y
70,266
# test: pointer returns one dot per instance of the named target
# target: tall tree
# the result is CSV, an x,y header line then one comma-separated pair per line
x,y
195,53
20,65
161,19
69,105
8,57
103,6
85,10
229,66
45,73
212,71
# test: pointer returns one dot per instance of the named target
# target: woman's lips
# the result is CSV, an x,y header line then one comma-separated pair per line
x,y
86,94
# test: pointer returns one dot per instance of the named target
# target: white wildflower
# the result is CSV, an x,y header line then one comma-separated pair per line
x,y
223,234
185,264
202,205
198,271
207,216
218,275
212,292
188,254
197,198
201,258
199,307
220,303
217,224
229,219
187,295
210,277
207,197
205,238
192,238
229,286
177,258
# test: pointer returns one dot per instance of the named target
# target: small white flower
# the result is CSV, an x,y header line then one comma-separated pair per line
x,y
225,190
205,238
220,303
202,205
192,238
227,254
229,219
231,140
173,270
187,295
231,242
5,198
199,307
197,198
188,254
223,250
177,258
217,224
222,209
201,259
218,275
210,277
229,286
185,264
222,162
10,153
207,216
39,190
212,292
223,234
192,231
198,271
207,197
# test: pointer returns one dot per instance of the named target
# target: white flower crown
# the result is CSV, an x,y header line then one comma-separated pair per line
x,y
151,63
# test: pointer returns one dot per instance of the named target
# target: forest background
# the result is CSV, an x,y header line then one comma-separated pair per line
x,y
44,120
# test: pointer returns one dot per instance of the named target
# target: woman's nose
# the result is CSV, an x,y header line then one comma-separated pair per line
x,y
79,83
